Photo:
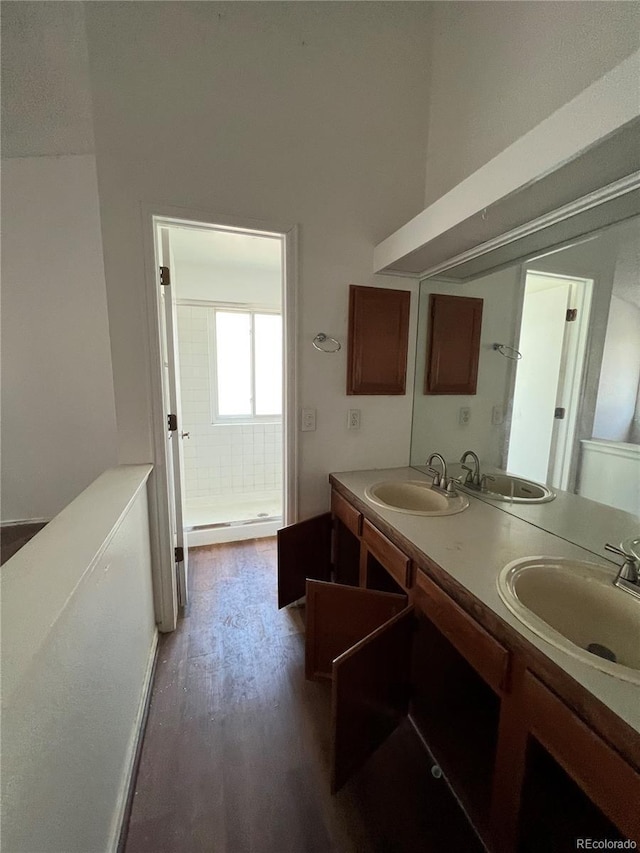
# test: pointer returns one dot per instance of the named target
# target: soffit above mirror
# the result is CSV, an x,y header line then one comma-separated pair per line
x,y
574,172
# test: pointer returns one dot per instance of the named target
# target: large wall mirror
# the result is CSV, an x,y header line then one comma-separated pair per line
x,y
567,413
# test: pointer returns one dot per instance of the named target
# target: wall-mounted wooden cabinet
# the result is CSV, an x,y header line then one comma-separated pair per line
x,y
453,344
378,340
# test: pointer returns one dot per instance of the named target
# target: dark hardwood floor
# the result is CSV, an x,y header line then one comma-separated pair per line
x,y
14,536
236,751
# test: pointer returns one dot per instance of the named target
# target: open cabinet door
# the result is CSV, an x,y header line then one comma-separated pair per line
x,y
370,697
338,617
304,551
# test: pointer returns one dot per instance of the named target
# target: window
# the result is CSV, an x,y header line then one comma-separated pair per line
x,y
247,365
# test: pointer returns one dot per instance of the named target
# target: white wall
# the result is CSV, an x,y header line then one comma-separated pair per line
x,y
58,415
498,69
228,284
46,96
308,113
620,373
436,426
610,474
226,266
78,638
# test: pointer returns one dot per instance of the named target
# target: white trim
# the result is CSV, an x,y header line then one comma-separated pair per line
x,y
290,383
127,779
624,449
612,191
232,533
596,113
160,528
234,306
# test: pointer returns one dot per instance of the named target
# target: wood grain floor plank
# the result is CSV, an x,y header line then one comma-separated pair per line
x,y
236,753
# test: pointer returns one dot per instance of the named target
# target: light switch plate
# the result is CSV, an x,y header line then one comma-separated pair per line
x,y
353,419
308,420
464,416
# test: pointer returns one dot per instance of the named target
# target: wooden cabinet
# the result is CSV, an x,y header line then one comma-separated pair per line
x,y
361,640
378,551
483,652
378,340
453,344
530,773
304,551
458,678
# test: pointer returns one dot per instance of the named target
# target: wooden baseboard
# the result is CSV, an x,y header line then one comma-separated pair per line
x,y
126,803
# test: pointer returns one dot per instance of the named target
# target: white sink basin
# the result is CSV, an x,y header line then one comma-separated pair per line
x,y
574,606
414,497
508,487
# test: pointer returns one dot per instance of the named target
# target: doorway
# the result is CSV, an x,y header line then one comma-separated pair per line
x,y
228,288
225,333
546,397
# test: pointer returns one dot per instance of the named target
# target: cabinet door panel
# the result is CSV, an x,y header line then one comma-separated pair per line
x,y
453,346
338,617
370,694
304,551
388,555
378,340
348,514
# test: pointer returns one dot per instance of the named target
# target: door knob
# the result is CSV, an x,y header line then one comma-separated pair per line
x,y
185,435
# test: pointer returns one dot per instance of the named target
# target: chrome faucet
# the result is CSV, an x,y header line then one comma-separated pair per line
x,y
440,480
472,476
628,577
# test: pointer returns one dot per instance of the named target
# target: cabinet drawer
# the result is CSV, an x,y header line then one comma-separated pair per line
x,y
347,514
393,559
485,654
606,778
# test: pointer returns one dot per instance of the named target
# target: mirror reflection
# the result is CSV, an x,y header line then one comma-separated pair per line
x,y
567,412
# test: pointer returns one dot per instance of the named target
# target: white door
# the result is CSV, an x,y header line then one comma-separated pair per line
x,y
171,394
536,389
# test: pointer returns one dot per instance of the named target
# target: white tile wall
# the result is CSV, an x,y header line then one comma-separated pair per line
x,y
219,458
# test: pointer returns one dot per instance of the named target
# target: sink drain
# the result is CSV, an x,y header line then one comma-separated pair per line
x,y
602,652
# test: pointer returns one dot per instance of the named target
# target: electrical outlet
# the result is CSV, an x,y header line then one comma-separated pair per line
x,y
464,415
353,420
497,415
308,420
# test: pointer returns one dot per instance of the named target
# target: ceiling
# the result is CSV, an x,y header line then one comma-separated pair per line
x,y
218,248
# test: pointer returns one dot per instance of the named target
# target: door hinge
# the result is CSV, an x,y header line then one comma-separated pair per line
x,y
559,413
172,423
572,314
179,554
165,276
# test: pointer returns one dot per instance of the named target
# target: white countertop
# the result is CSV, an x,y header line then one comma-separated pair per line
x,y
572,517
473,546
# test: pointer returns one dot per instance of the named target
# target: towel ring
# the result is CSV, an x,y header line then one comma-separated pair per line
x,y
501,349
321,338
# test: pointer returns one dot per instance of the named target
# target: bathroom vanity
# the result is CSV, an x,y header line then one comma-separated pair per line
x,y
404,618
